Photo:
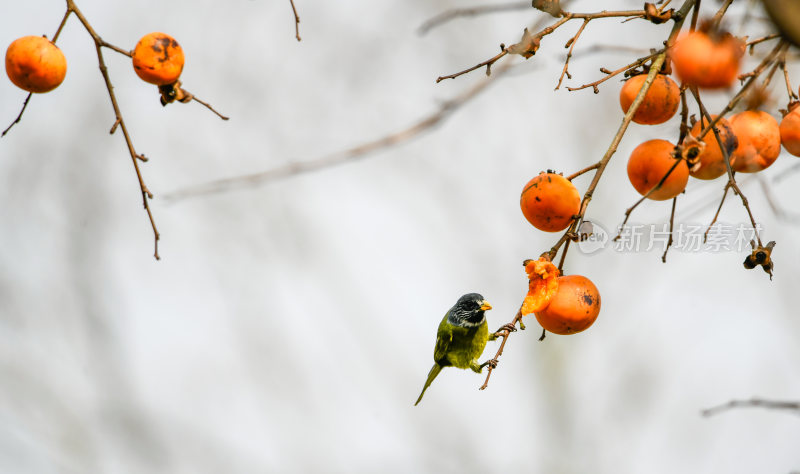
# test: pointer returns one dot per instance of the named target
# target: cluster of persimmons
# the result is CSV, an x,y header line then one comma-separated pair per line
x,y
746,142
35,64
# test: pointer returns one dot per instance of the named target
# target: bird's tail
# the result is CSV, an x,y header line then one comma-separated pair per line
x,y
431,375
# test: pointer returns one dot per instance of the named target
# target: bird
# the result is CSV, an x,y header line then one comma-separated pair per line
x,y
461,337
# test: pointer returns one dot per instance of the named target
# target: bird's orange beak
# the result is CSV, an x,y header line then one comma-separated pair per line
x,y
485,306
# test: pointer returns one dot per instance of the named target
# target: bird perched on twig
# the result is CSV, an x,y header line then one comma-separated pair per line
x,y
461,337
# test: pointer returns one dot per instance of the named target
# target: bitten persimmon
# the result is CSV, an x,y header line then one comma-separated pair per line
x,y
542,284
649,163
35,64
659,104
549,201
759,138
573,308
158,59
790,131
711,161
709,61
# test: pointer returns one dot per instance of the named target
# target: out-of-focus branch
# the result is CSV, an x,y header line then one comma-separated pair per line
x,y
454,13
425,124
752,403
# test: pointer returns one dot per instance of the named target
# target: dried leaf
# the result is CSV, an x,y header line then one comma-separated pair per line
x,y
553,7
527,46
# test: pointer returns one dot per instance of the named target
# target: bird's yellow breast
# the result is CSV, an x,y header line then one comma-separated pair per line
x,y
466,345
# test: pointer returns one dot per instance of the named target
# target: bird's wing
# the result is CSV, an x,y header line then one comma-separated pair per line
x,y
444,336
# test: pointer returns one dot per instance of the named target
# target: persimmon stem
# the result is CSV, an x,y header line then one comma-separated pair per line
x,y
296,25
716,214
671,226
583,171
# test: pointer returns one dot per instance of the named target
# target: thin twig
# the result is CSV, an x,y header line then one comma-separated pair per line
x,y
683,129
716,214
756,41
645,196
610,74
296,25
720,13
61,25
789,90
753,402
488,63
583,171
209,107
564,256
671,225
571,45
119,121
504,332
19,117
535,38
454,13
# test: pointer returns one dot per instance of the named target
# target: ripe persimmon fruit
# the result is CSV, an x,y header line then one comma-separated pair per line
x,y
759,138
158,59
711,161
573,308
709,61
650,162
549,201
659,104
35,64
790,131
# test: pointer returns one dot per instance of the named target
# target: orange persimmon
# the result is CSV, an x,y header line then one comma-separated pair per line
x,y
573,308
35,64
158,59
790,131
711,161
759,138
710,61
549,202
649,163
659,104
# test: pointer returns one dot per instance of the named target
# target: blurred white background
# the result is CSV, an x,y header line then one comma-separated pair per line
x,y
290,327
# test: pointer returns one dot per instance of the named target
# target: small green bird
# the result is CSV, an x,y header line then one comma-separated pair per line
x,y
461,337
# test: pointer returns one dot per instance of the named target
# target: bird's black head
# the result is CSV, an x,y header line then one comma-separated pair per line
x,y
468,311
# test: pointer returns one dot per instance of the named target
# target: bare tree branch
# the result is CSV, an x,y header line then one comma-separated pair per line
x,y
454,13
752,403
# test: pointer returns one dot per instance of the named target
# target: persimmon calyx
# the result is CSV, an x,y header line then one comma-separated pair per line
x,y
542,284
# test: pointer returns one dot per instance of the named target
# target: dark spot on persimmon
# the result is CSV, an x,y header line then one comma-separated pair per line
x,y
587,298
